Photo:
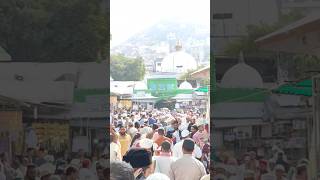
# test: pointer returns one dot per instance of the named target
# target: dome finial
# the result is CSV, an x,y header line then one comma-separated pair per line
x,y
241,57
178,45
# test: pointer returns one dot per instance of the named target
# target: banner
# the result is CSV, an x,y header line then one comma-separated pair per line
x,y
54,135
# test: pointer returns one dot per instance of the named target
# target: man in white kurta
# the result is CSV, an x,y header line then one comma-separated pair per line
x,y
177,148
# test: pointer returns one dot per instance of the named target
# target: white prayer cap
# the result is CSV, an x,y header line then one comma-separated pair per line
x,y
183,126
185,133
146,143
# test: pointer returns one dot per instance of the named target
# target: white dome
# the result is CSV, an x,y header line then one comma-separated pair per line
x,y
179,62
185,85
242,76
140,86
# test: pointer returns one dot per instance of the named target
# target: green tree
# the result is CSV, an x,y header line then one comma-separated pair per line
x,y
45,30
247,43
306,66
126,69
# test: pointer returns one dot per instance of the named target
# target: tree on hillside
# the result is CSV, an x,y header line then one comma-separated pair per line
x,y
247,43
305,65
46,30
126,69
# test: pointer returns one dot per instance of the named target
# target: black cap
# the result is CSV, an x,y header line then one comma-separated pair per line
x,y
138,157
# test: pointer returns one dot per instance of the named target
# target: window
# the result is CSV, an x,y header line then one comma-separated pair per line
x,y
162,87
170,86
153,87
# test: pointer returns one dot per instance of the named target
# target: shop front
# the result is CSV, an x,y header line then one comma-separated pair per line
x,y
89,134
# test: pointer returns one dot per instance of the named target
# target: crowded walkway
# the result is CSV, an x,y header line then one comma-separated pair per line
x,y
160,144
253,166
39,164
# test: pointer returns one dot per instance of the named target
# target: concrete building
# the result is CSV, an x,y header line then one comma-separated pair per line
x,y
230,18
60,92
301,37
307,6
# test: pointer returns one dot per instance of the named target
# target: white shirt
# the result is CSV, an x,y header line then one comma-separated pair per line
x,y
132,131
178,153
187,168
146,130
163,163
176,135
115,152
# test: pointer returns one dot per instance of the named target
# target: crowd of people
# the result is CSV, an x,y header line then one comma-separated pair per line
x,y
38,164
159,144
250,166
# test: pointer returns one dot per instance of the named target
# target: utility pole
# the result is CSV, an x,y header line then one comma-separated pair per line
x,y
314,150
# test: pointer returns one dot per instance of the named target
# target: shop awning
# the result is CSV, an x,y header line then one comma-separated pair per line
x,y
240,95
298,37
302,88
202,89
81,94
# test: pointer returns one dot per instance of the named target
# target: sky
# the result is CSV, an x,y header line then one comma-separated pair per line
x,y
128,17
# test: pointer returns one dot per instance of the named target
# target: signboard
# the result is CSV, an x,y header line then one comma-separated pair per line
x,y
80,142
53,135
11,121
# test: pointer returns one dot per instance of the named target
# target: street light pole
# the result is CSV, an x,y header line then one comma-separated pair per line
x,y
315,130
